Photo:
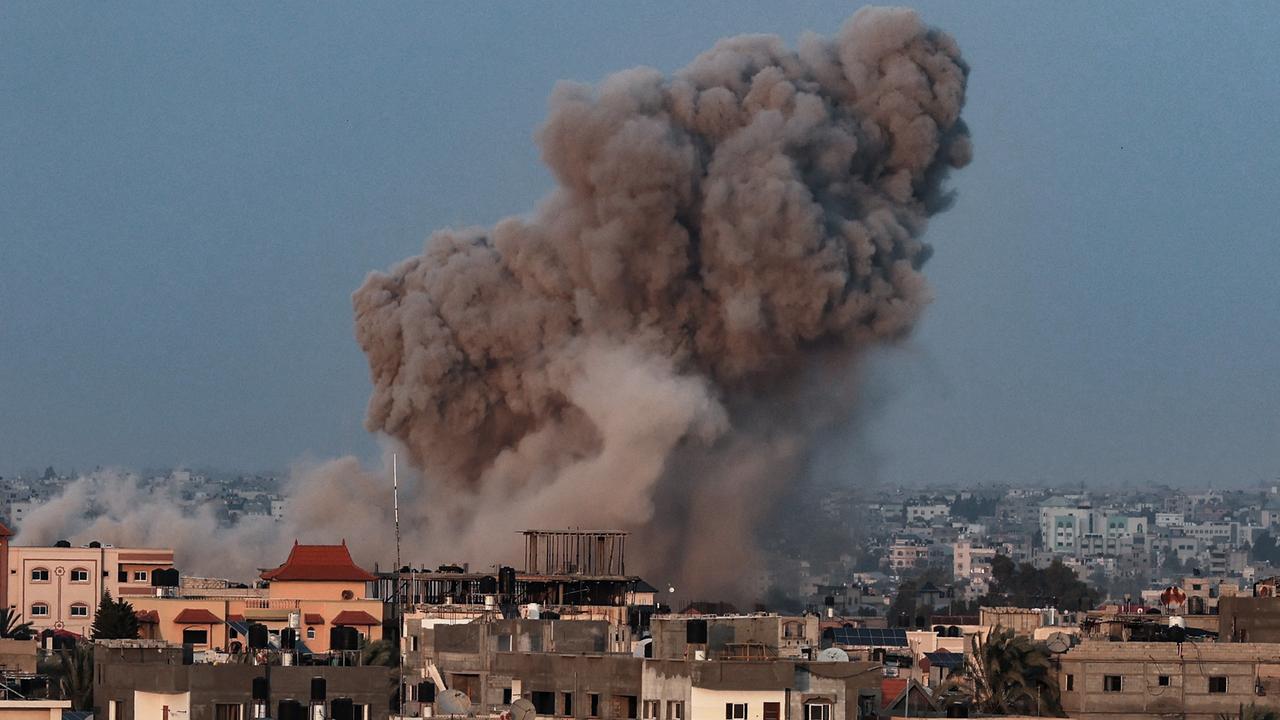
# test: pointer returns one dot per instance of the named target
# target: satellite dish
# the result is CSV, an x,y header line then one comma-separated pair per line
x,y
833,654
1058,643
522,709
453,702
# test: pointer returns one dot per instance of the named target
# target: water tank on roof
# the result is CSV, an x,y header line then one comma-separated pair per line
x,y
63,544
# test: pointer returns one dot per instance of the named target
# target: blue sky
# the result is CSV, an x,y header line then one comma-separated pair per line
x,y
190,192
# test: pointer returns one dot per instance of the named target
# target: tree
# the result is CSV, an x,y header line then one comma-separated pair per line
x,y
114,620
12,627
379,652
1024,585
75,675
1010,674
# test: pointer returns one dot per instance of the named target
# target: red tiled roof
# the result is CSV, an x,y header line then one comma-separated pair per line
x,y
147,616
313,619
355,617
890,690
196,616
5,531
319,562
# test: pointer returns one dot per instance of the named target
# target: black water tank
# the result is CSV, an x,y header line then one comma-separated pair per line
x,y
63,544
343,709
957,710
317,689
507,581
261,688
426,691
288,639
344,638
291,710
488,585
695,632
95,544
164,578
258,636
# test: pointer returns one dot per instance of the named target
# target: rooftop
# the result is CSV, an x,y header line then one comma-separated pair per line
x,y
319,563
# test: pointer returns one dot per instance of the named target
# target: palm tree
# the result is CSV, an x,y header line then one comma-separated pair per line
x,y
75,675
379,652
12,627
1010,674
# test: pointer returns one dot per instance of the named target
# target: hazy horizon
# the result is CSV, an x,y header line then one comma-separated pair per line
x,y
190,194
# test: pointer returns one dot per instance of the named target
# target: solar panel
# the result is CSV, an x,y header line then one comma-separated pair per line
x,y
868,637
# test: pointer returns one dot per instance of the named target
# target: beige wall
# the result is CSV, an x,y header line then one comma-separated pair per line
x,y
709,704
314,590
33,709
1188,669
272,613
60,593
151,706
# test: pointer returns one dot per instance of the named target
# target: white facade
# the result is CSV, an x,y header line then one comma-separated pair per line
x,y
928,511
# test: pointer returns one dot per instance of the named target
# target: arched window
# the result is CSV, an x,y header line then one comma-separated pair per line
x,y
39,610
40,574
79,575
79,610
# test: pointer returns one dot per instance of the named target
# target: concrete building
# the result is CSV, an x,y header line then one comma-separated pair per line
x,y
735,637
561,668
150,680
59,587
971,567
1199,681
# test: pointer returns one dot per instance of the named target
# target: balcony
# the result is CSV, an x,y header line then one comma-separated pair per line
x,y
271,604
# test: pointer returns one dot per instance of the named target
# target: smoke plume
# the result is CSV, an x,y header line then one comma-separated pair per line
x,y
653,347
656,348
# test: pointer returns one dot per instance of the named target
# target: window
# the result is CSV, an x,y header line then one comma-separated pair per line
x,y
39,610
650,710
1163,681
1111,683
566,701
675,710
504,643
79,610
40,575
79,575
140,576
595,704
506,696
1071,682
1217,684
735,711
226,711
544,703
817,711
193,636
311,633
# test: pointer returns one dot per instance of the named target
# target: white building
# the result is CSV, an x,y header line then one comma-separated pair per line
x,y
927,512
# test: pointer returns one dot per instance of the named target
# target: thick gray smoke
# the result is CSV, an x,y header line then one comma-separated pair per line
x,y
660,333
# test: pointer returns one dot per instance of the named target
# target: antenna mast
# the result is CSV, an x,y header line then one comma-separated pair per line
x,y
395,503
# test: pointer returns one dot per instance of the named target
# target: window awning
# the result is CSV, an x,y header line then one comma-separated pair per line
x,y
313,619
